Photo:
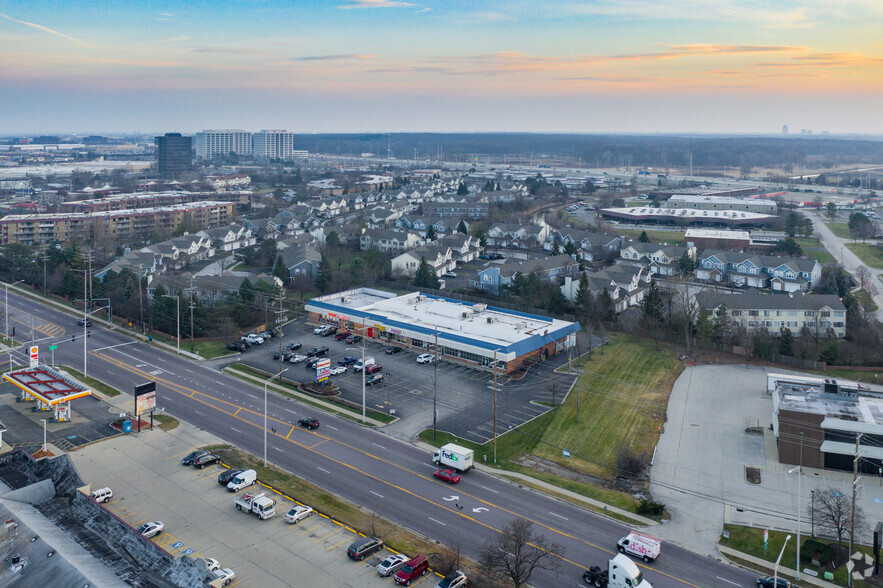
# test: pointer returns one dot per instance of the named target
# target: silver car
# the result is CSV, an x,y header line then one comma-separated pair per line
x,y
391,564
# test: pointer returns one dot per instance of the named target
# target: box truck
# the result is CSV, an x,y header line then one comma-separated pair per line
x,y
621,572
640,545
454,457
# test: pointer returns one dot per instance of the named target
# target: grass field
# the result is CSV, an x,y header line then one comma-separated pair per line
x,y
872,255
840,229
91,382
670,237
815,250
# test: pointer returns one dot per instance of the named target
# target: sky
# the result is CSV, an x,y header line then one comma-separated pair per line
x,y
599,66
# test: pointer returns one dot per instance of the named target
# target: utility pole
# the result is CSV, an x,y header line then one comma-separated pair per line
x,y
45,251
435,387
364,343
140,300
858,439
191,313
495,405
86,313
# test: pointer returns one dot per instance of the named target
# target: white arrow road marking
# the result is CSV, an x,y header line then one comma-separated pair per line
x,y
334,428
234,429
479,509
451,499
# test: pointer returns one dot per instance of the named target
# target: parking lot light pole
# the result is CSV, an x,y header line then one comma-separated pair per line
x,y
266,384
799,470
778,559
44,435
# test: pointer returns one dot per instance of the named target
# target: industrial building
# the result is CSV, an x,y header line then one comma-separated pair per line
x,y
816,422
695,202
467,333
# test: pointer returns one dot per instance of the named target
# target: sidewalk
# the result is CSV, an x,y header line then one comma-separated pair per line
x,y
762,564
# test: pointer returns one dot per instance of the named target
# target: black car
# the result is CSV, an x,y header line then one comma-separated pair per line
x,y
311,363
496,256
354,339
393,350
192,456
767,582
286,355
207,459
238,346
329,330
376,378
293,346
84,322
308,423
364,547
317,351
227,475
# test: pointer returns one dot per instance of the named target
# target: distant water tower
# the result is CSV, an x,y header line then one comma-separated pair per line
x,y
784,129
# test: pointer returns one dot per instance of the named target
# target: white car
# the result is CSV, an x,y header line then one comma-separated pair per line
x,y
320,329
298,513
253,339
453,580
151,529
337,370
226,575
391,564
297,358
450,275
211,564
425,358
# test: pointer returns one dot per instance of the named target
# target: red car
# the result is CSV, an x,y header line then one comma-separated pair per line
x,y
373,368
449,476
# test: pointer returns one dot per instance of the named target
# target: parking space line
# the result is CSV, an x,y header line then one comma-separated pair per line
x,y
328,535
136,523
345,539
177,455
308,530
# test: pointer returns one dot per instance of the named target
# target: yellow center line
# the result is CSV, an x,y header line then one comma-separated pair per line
x,y
179,388
289,432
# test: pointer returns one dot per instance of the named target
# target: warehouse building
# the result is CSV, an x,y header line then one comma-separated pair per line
x,y
467,333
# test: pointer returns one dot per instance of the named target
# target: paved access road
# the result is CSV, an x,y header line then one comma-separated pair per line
x,y
366,467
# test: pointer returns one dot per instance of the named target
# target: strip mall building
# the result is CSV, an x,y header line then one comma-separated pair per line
x,y
469,333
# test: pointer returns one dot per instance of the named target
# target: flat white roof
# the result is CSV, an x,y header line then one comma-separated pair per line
x,y
687,213
720,199
717,234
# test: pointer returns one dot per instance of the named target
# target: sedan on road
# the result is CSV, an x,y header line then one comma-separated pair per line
x,y
308,423
768,582
84,322
191,457
151,529
425,358
449,476
297,514
207,459
227,475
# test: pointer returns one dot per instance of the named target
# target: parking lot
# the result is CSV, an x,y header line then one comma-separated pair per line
x,y
201,520
464,395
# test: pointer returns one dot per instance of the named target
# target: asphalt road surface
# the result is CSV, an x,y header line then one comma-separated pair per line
x,y
371,469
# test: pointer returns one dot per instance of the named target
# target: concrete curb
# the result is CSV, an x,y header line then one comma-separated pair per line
x,y
578,497
276,388
762,564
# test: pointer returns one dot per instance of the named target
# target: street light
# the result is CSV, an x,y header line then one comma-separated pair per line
x,y
177,319
266,383
776,569
799,472
44,435
459,516
7,304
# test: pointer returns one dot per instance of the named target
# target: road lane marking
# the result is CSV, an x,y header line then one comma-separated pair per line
x,y
375,493
117,345
727,581
323,469
235,429
334,428
380,446
435,521
289,433
558,515
490,490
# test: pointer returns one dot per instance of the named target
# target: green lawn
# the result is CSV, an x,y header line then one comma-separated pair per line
x,y
91,382
840,229
670,237
872,255
815,250
750,540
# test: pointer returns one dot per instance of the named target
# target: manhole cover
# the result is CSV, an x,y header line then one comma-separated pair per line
x,y
752,475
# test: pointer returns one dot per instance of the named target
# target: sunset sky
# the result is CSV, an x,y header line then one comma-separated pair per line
x,y
631,66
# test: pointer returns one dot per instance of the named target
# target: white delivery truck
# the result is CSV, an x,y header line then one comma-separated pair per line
x,y
242,480
640,545
259,504
621,572
360,365
454,457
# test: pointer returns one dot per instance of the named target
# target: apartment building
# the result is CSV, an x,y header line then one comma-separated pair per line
x,y
213,142
784,274
35,229
273,144
819,313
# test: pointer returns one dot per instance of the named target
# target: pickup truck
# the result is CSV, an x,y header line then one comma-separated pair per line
x,y
259,504
253,339
223,577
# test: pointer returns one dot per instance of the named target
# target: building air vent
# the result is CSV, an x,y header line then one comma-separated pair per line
x,y
481,307
466,314
491,319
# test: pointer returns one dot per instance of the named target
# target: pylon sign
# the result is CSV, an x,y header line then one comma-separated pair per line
x,y
35,356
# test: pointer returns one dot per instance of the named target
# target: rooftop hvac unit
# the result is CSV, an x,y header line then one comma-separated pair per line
x,y
346,299
520,326
491,319
481,307
466,314
419,298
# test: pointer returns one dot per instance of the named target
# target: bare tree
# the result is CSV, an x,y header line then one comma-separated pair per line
x,y
685,306
516,553
552,387
832,512
864,275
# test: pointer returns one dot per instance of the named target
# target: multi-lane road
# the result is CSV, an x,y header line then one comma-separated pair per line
x,y
367,467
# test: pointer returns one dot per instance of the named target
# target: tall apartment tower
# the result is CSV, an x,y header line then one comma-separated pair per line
x,y
173,155
784,129
273,144
214,142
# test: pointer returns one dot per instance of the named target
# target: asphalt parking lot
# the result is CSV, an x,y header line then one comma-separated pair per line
x,y
202,521
464,396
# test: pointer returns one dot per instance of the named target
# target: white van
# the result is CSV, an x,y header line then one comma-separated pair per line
x,y
640,545
102,495
242,480
360,365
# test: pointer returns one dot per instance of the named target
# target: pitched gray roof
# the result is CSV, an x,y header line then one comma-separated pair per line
x,y
760,300
801,265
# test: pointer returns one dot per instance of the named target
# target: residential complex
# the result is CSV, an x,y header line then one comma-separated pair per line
x,y
273,144
212,142
784,274
816,314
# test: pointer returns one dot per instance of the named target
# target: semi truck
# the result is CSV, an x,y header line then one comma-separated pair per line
x,y
454,457
621,572
259,504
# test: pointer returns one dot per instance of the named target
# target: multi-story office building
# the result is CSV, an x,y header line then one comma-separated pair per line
x,y
173,155
214,142
33,229
273,144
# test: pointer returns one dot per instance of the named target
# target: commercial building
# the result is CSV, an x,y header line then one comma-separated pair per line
x,y
174,155
213,142
34,229
816,422
722,203
717,239
687,216
467,333
273,144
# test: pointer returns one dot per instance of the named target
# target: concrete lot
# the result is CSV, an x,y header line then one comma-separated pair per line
x,y
464,395
699,471
149,484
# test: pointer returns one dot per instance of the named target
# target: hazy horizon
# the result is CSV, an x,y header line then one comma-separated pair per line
x,y
362,66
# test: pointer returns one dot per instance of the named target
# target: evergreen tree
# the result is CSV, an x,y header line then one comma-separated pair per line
x,y
583,299
686,265
246,291
332,240
280,271
570,248
430,233
323,275
786,342
644,238
555,249
462,190
556,302
462,227
652,307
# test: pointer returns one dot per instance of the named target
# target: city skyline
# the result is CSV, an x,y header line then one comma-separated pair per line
x,y
396,66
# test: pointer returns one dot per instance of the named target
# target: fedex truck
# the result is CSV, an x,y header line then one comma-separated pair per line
x,y
454,457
